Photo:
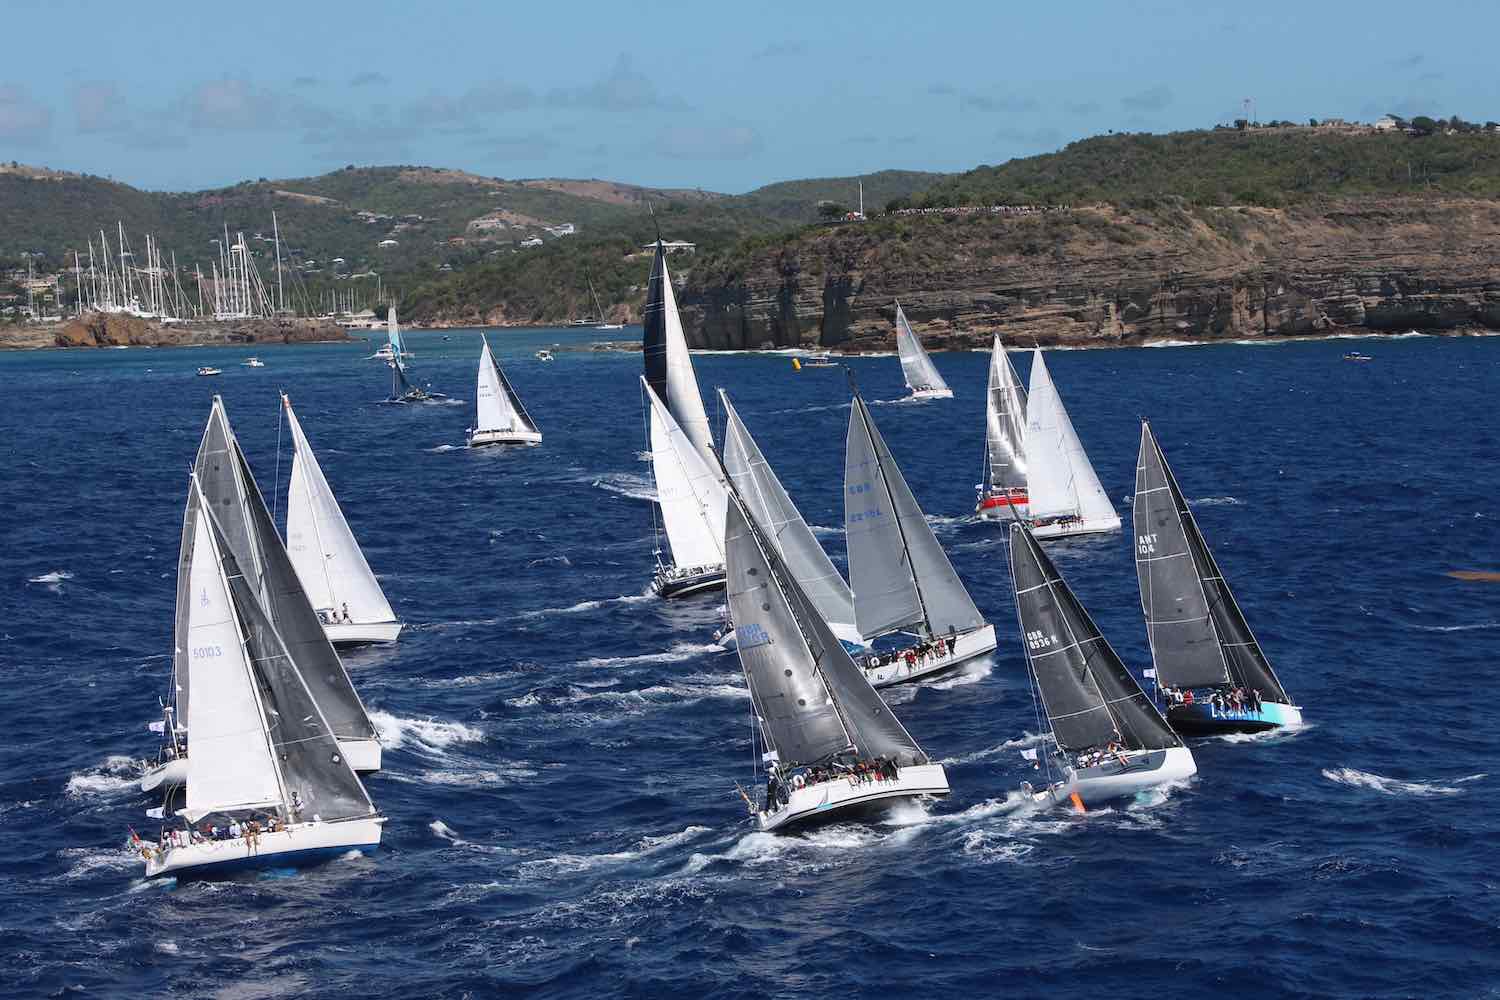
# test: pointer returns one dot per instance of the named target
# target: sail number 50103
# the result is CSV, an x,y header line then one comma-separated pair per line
x,y
207,652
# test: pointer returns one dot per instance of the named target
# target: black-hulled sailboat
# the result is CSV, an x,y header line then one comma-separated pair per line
x,y
831,745
1210,671
1106,739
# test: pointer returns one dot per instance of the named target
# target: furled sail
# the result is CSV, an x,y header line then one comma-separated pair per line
x,y
323,550
1089,696
916,366
691,495
1005,425
669,367
1184,644
782,524
898,571
1060,478
812,701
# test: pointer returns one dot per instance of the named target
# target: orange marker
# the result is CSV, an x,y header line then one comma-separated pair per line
x,y
1077,803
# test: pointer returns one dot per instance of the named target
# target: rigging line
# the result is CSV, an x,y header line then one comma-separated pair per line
x,y
276,482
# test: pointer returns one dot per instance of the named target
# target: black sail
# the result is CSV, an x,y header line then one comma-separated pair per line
x,y
1090,697
654,322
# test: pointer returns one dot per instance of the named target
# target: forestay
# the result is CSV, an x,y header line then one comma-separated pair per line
x,y
323,550
916,366
898,572
1184,644
781,522
1005,425
1060,478
691,496
669,366
1089,696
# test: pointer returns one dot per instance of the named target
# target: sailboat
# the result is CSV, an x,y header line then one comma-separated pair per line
x,y
263,752
223,475
783,526
901,578
831,745
1105,738
1004,488
921,374
499,416
402,388
599,309
328,560
688,482
1207,663
1064,497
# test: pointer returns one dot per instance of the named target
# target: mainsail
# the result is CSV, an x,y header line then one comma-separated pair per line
x,y
812,701
1005,425
1090,698
498,406
916,366
690,494
898,572
1239,651
782,524
323,550
1060,479
669,367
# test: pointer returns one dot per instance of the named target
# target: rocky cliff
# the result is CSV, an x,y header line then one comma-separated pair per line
x,y
112,330
1103,276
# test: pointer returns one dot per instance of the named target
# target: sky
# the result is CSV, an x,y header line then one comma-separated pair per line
x,y
726,97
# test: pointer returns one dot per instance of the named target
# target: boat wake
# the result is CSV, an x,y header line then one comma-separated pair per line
x,y
568,864
1477,626
513,774
90,861
444,447
687,690
1225,501
972,672
1276,735
445,832
1394,786
1029,740
589,605
117,775
53,581
430,735
626,485
679,652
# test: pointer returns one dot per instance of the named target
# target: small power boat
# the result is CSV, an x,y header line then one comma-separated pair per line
x,y
1357,356
252,362
544,355
209,370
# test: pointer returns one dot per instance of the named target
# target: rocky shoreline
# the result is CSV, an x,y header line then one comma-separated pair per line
x,y
114,330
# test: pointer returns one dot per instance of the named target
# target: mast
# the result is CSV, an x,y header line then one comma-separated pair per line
x,y
280,298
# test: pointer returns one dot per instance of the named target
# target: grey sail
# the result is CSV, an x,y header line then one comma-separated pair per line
x,y
813,702
1005,425
916,366
1089,696
318,781
898,572
1247,663
780,520
1184,643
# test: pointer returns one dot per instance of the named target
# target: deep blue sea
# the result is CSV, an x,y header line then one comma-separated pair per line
x,y
562,750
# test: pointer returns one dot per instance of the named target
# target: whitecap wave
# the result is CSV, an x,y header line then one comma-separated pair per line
x,y
444,447
512,775
571,863
679,652
1476,626
1394,786
117,775
626,485
589,605
429,734
53,581
1224,501
821,532
445,832
1028,740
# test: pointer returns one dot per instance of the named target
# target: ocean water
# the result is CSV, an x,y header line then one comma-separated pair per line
x,y
561,750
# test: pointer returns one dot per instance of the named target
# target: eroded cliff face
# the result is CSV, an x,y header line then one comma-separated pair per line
x,y
1101,276
114,330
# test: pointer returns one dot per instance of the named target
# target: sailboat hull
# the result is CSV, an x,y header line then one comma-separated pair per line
x,y
1070,529
684,586
1141,771
480,439
362,633
1002,506
892,668
931,394
841,798
1202,719
296,847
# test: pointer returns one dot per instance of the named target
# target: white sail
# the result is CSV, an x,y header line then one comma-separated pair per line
x,y
493,403
669,367
1060,480
920,373
329,563
1005,424
692,497
231,766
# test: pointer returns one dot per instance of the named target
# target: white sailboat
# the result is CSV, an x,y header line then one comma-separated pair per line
x,y
599,310
902,580
1105,738
692,500
329,562
265,763
1003,491
499,417
1063,493
831,745
677,416
921,374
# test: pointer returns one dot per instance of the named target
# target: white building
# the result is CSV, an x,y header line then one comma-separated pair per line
x,y
388,243
534,241
1387,124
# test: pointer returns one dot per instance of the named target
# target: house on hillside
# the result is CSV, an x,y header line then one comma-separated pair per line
x,y
1387,124
387,243
534,241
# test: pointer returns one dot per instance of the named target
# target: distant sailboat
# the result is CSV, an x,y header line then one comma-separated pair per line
x,y
1004,488
831,745
499,416
1207,663
1063,493
921,374
263,751
901,578
1106,739
403,390
599,310
329,562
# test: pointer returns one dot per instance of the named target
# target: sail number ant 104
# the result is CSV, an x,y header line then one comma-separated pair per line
x,y
1146,544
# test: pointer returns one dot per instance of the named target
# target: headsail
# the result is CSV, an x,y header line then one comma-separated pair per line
x,y
783,525
691,495
494,411
1005,425
898,571
916,366
1060,479
669,367
1090,697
